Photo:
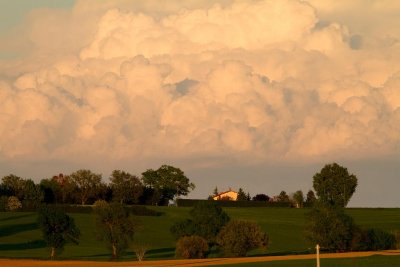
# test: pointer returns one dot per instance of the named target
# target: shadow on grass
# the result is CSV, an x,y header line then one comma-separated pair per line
x,y
16,217
160,253
22,246
12,229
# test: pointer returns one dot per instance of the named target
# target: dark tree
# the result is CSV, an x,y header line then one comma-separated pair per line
x,y
57,228
126,188
334,185
115,227
13,185
237,238
168,181
241,195
261,197
331,228
206,221
283,197
310,198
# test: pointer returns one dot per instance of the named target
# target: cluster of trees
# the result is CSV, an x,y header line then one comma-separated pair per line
x,y
113,223
210,226
154,187
330,226
297,198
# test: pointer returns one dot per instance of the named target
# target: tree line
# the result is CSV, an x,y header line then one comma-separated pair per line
x,y
297,199
154,187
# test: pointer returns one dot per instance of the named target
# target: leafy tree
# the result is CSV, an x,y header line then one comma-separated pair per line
x,y
50,190
334,185
310,198
115,227
57,228
207,219
261,197
241,195
67,188
13,185
169,181
33,196
126,188
298,198
87,184
237,238
191,247
331,228
283,197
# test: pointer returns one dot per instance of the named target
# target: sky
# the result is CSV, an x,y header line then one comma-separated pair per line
x,y
257,94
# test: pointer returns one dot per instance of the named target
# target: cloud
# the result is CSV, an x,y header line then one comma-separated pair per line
x,y
246,81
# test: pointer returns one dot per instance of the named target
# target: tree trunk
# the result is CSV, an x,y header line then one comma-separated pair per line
x,y
114,251
53,253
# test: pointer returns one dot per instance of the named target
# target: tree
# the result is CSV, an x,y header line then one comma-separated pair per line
x,y
57,228
215,192
169,181
241,195
32,195
126,188
191,247
298,198
115,227
13,185
237,238
283,197
67,188
207,219
334,185
331,228
87,184
261,197
310,198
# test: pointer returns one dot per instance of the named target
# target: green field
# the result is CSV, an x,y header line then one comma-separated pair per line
x,y
20,237
373,261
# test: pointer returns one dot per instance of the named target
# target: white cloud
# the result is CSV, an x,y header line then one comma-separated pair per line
x,y
251,81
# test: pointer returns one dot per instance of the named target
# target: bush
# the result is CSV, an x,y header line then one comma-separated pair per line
x,y
191,247
239,237
13,203
376,239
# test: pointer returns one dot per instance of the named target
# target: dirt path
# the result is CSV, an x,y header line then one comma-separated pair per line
x,y
186,263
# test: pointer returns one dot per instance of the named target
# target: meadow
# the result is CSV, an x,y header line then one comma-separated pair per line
x,y
21,238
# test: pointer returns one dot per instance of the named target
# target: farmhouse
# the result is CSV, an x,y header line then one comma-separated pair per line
x,y
228,195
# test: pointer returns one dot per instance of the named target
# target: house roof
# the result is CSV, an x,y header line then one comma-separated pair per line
x,y
225,193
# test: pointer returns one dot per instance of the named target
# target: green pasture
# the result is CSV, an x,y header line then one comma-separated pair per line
x,y
21,238
372,261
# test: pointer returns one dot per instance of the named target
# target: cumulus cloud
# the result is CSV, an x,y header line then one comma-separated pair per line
x,y
248,81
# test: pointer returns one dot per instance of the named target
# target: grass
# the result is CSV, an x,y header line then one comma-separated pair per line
x,y
372,261
21,238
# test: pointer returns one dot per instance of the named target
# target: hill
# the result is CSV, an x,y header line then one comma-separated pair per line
x,y
20,237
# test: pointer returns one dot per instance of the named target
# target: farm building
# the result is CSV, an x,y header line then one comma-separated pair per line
x,y
227,195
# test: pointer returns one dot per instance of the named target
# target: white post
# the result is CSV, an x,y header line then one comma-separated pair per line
x,y
318,247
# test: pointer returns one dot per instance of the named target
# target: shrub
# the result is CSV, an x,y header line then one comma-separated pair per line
x,y
239,237
376,239
3,203
191,247
397,236
13,203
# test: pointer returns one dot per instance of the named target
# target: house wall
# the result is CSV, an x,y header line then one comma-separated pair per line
x,y
232,195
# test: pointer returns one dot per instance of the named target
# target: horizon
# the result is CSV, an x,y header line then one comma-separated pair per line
x,y
257,94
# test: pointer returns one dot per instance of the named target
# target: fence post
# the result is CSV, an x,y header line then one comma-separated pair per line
x,y
318,247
